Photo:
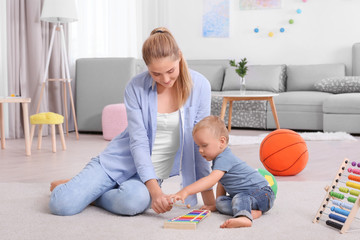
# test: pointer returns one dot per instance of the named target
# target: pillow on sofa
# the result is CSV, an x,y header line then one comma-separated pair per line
x,y
215,75
213,70
348,84
303,77
259,78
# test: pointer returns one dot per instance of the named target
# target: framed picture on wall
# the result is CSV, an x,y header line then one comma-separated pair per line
x,y
216,18
259,4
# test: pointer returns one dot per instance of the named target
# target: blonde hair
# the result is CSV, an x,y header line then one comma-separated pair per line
x,y
215,125
161,44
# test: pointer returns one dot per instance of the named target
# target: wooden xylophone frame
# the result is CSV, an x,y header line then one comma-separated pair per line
x,y
190,224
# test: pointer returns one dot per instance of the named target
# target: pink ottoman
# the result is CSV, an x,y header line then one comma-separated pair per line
x,y
114,120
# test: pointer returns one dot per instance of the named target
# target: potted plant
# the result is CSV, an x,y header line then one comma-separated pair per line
x,y
241,70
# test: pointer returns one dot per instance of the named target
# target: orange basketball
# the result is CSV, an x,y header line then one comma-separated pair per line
x,y
283,152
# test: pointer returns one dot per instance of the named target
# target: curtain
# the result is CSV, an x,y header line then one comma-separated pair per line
x,y
113,28
106,28
24,60
3,60
27,43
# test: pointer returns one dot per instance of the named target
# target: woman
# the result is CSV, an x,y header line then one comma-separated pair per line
x,y
163,104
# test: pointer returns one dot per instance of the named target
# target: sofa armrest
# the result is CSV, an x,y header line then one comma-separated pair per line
x,y
100,82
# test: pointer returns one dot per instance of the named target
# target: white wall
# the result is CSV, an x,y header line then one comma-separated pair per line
x,y
323,33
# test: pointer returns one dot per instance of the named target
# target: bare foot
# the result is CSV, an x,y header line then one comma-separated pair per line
x,y
256,214
237,223
54,184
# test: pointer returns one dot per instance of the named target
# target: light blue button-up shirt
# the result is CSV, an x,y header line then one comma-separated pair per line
x,y
130,152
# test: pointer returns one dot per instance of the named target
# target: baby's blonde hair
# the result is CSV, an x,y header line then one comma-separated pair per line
x,y
215,125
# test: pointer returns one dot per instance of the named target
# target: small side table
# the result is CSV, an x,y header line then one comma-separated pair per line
x,y
230,96
24,102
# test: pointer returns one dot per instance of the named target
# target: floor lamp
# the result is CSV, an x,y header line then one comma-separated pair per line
x,y
59,12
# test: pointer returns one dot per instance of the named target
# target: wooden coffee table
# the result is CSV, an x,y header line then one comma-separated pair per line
x,y
24,102
230,96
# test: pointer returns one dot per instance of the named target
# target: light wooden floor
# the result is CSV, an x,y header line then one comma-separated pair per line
x,y
44,165
325,158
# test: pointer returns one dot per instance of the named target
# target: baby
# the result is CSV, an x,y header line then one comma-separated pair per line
x,y
241,190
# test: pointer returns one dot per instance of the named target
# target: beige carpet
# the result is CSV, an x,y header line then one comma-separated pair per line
x,y
24,214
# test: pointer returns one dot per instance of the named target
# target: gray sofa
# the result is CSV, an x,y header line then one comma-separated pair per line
x,y
100,82
311,97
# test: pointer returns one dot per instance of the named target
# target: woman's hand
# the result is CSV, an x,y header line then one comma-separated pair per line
x,y
160,202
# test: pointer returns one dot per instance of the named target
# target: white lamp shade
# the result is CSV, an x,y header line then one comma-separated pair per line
x,y
62,11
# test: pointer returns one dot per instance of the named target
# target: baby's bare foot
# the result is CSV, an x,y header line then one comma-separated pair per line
x,y
54,184
256,214
237,223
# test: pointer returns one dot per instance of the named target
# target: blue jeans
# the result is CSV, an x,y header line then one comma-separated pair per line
x,y
92,184
242,203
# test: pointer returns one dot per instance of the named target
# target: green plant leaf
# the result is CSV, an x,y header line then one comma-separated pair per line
x,y
241,68
232,63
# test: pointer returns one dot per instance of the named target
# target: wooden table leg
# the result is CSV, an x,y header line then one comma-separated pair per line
x,y
223,108
65,109
230,115
2,127
26,128
53,137
73,111
273,109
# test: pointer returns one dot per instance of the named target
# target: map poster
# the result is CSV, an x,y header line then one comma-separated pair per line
x,y
216,18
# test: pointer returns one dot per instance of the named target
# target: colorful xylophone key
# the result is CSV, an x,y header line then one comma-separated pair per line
x,y
187,221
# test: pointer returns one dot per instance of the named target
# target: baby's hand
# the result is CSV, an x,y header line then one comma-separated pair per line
x,y
212,208
174,198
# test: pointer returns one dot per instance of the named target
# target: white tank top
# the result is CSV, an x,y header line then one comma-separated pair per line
x,y
166,144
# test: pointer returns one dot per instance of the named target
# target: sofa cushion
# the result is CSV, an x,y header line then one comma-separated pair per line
x,y
300,101
213,70
259,78
348,84
303,77
348,103
341,123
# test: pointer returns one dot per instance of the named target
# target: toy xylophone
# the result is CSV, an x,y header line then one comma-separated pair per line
x,y
187,221
342,217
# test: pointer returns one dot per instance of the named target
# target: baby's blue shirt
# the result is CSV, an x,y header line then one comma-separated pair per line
x,y
239,176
